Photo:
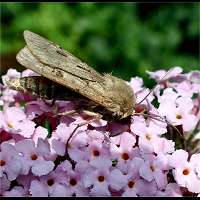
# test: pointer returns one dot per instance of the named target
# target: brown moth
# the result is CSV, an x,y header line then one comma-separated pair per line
x,y
65,77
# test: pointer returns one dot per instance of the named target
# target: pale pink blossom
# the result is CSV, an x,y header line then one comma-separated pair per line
x,y
9,161
184,171
17,191
33,158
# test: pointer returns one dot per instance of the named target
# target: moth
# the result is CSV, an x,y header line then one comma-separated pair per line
x,y
66,77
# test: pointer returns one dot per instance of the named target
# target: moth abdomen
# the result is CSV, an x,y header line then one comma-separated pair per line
x,y
41,87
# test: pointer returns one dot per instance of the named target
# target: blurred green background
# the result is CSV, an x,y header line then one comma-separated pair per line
x,y
123,38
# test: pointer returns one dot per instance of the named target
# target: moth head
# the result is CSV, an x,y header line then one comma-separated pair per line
x,y
121,98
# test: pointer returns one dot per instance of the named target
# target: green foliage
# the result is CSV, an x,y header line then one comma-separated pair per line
x,y
123,38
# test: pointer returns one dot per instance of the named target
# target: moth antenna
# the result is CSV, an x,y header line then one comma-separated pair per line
x,y
154,87
162,119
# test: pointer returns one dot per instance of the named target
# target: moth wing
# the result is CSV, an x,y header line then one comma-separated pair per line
x,y
86,88
53,55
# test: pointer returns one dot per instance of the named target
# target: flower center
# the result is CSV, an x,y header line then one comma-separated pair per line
x,y
10,125
131,184
101,178
2,162
152,168
73,182
178,116
186,171
34,157
96,153
50,182
148,136
125,156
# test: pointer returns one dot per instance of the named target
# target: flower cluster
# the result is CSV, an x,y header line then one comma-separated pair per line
x,y
156,153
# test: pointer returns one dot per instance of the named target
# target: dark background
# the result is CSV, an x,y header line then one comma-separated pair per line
x,y
123,38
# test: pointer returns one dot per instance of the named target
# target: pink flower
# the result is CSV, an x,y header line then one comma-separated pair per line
x,y
148,136
100,179
184,89
33,158
74,185
111,158
133,177
15,121
195,161
123,151
53,183
17,191
28,72
40,132
168,95
37,189
131,188
4,183
183,171
179,114
172,190
136,84
160,73
97,180
149,170
9,161
11,74
145,188
194,77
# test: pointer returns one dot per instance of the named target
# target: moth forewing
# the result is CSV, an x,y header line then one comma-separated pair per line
x,y
111,93
53,55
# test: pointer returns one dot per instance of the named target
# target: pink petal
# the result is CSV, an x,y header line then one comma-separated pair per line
x,y
25,146
42,167
59,190
25,128
138,128
127,141
40,132
145,188
14,114
178,158
17,191
4,183
160,179
173,190
145,171
59,147
100,190
37,189
13,169
117,179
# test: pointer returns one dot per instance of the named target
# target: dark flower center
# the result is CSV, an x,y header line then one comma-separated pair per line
x,y
186,171
101,178
131,184
34,157
178,116
50,182
148,137
152,168
2,162
96,153
125,156
73,182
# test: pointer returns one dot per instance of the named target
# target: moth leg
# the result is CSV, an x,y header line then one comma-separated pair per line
x,y
69,112
49,104
73,132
